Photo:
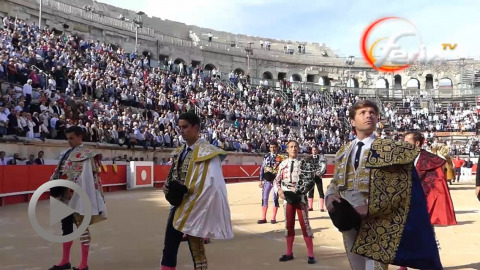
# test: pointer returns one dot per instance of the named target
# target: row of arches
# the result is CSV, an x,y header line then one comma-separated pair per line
x,y
323,80
412,83
210,67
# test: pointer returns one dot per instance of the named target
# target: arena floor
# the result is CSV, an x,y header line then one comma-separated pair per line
x,y
132,237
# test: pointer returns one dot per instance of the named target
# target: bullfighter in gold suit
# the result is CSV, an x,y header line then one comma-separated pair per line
x,y
375,178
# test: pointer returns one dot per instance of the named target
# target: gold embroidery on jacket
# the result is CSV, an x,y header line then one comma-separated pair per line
x,y
358,180
389,204
385,152
341,160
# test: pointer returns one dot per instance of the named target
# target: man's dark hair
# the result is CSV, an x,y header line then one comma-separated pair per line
x,y
362,104
417,137
294,142
316,147
78,131
191,118
274,143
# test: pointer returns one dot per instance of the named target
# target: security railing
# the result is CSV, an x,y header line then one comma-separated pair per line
x,y
311,58
95,16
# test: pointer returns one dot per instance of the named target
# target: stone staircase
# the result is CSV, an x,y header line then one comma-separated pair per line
x,y
468,77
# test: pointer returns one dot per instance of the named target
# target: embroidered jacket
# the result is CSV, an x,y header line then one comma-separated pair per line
x,y
201,151
270,163
82,166
72,167
394,193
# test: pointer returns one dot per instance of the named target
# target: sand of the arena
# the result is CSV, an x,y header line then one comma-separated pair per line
x,y
132,237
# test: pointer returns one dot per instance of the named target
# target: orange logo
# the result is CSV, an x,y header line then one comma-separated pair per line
x,y
392,51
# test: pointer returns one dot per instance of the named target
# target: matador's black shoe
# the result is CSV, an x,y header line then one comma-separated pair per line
x,y
75,268
285,258
61,267
311,260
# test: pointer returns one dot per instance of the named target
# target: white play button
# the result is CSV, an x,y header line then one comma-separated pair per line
x,y
58,211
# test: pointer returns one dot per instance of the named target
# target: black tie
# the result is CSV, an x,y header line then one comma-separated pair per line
x,y
182,158
357,155
291,169
66,156
62,160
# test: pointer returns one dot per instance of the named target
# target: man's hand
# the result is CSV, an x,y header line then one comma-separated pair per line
x,y
281,195
362,210
260,184
477,191
329,201
165,189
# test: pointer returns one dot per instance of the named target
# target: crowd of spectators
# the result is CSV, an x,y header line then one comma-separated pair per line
x,y
415,115
56,80
118,98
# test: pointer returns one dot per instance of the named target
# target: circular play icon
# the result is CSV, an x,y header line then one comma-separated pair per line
x,y
59,210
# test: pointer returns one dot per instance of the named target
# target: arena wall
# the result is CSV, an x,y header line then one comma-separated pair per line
x,y
53,149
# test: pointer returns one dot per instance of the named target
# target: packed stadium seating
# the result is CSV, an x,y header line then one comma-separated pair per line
x,y
50,82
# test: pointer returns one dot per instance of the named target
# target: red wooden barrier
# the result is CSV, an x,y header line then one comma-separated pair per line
x,y
240,173
117,178
21,179
27,178
1,179
330,170
15,179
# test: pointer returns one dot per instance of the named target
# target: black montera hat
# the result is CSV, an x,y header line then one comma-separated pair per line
x,y
175,193
345,217
292,197
269,176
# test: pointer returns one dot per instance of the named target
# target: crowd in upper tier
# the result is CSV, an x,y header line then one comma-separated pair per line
x,y
56,80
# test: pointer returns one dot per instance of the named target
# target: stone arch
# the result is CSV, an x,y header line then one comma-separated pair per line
x,y
352,82
239,71
382,83
196,63
311,78
413,83
397,81
429,81
295,78
324,80
163,57
267,75
210,67
178,61
146,53
281,76
445,83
